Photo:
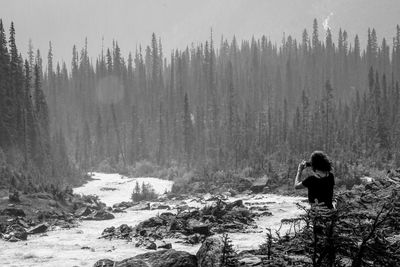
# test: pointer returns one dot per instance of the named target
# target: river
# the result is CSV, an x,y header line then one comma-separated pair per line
x,y
81,247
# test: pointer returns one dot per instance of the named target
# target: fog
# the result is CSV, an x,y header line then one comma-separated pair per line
x,y
181,22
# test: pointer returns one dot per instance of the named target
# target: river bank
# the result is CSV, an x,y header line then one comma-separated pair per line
x,y
80,246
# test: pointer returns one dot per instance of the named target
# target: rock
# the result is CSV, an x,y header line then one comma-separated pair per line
x,y
123,205
13,239
230,226
259,184
13,212
265,213
84,211
181,208
210,252
194,239
161,207
152,222
124,230
38,229
163,245
14,197
266,190
367,180
45,214
237,203
243,185
118,210
141,206
151,245
207,196
108,232
110,263
162,258
233,192
227,194
250,261
42,195
167,216
108,189
16,231
203,229
22,223
175,225
247,192
99,216
104,263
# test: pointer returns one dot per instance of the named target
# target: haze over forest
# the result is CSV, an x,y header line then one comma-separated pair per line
x,y
179,23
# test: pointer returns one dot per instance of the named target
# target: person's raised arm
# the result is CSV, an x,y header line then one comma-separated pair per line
x,y
297,183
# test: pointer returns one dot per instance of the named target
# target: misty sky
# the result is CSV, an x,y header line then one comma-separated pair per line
x,y
182,22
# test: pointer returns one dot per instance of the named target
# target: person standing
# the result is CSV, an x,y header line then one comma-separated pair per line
x,y
321,183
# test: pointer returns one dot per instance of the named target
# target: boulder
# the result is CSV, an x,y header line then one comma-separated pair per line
x,y
237,203
123,205
104,263
265,213
162,258
109,232
184,207
13,212
84,211
244,184
14,197
141,206
367,180
207,196
203,229
161,207
16,231
210,252
194,239
99,216
233,192
13,239
151,245
124,229
163,245
176,225
118,210
258,186
152,222
42,195
250,260
38,229
22,223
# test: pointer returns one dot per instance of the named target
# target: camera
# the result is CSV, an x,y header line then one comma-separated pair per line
x,y
308,164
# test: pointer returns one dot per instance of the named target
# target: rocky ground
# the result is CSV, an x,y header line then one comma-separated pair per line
x,y
189,224
192,218
22,215
376,200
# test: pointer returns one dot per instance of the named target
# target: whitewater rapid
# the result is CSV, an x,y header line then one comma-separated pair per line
x,y
81,247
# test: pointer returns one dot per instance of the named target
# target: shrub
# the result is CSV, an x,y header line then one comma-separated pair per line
x,y
144,192
229,255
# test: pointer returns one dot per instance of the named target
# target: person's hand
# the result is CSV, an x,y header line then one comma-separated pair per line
x,y
302,165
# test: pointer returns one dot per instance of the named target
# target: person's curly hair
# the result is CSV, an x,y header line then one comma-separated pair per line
x,y
319,161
